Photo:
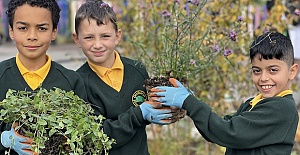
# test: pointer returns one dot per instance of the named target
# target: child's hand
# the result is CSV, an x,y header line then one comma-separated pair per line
x,y
172,96
20,144
156,115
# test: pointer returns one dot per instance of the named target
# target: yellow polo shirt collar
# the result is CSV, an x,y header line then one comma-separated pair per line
x,y
34,78
258,98
111,76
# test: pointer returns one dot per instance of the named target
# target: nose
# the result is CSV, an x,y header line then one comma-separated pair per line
x,y
264,76
32,35
98,43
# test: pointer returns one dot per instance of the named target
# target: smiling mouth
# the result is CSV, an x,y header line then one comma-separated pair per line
x,y
32,47
266,87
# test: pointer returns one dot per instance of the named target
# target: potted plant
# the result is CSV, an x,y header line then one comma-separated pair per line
x,y
182,48
59,122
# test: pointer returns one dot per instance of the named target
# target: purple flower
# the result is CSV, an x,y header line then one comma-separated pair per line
x,y
227,52
176,28
232,35
193,62
103,5
240,18
165,13
216,48
265,30
195,2
297,12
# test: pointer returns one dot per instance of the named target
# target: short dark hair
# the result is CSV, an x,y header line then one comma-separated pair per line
x,y
273,45
51,5
97,10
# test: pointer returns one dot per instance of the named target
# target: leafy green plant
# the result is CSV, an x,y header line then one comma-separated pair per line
x,y
56,115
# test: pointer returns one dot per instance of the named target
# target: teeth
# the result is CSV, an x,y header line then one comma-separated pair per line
x,y
266,87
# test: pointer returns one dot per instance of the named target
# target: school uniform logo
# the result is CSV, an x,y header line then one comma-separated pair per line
x,y
138,97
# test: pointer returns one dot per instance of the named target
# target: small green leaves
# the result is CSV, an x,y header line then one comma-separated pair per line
x,y
44,114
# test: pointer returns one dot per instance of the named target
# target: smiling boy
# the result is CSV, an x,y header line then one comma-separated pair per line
x,y
265,124
33,25
114,83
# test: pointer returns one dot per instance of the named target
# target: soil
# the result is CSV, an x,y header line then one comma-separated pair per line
x,y
53,146
164,81
160,81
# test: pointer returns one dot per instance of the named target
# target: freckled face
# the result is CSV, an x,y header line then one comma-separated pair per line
x,y
271,76
98,42
32,32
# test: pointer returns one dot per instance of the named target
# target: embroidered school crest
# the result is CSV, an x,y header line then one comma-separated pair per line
x,y
138,97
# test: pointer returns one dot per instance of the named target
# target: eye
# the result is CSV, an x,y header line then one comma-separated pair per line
x,y
106,36
274,70
256,71
88,38
43,28
22,28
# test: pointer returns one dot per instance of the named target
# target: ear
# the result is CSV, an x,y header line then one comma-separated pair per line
x,y
11,34
76,39
54,34
118,36
293,71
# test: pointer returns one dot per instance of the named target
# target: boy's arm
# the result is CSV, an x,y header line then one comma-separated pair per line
x,y
124,127
269,122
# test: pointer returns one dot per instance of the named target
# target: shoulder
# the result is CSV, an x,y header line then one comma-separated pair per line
x,y
6,64
287,99
285,103
137,65
64,71
84,70
131,62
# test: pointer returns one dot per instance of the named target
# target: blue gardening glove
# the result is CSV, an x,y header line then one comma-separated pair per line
x,y
11,139
172,96
157,116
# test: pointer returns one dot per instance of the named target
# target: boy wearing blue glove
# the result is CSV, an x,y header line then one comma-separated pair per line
x,y
265,124
33,25
115,83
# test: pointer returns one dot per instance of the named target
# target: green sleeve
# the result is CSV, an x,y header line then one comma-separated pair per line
x,y
273,120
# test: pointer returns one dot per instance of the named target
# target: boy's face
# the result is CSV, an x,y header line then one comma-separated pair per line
x,y
98,43
272,76
32,32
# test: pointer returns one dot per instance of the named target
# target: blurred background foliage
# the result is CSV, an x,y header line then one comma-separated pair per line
x,y
225,82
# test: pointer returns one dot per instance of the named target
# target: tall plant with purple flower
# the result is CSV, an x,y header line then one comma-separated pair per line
x,y
184,50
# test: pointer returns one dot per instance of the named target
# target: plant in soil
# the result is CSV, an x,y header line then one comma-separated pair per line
x,y
179,44
59,122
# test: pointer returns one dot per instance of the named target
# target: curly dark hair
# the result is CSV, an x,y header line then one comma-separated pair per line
x,y
51,5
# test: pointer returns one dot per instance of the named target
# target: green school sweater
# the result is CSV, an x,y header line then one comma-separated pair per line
x,y
58,76
124,121
268,129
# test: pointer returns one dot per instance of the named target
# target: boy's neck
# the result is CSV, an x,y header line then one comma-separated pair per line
x,y
33,64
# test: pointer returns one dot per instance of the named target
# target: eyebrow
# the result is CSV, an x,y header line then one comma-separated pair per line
x,y
267,66
38,25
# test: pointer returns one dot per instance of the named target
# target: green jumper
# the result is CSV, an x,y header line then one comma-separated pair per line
x,y
124,121
268,129
58,76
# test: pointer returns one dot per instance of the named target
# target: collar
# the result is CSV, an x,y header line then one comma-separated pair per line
x,y
42,72
258,98
101,71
